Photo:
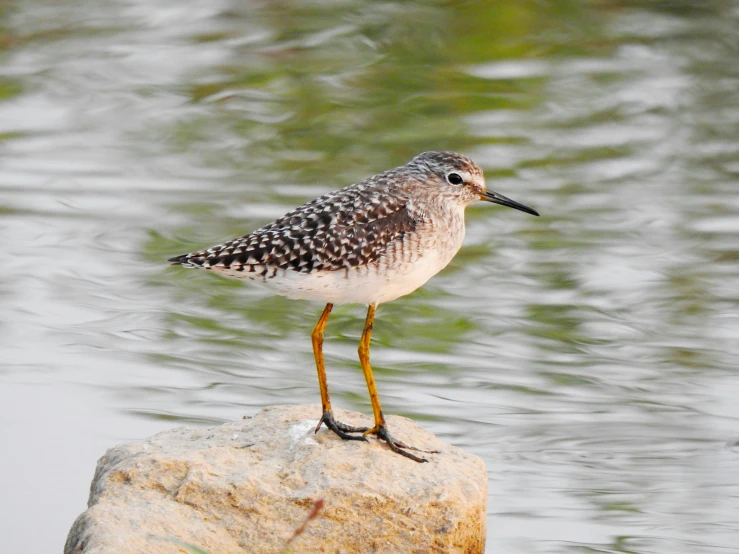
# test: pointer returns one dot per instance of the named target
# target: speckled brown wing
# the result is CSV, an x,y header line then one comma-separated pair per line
x,y
348,228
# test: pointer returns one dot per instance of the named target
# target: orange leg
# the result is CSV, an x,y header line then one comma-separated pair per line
x,y
327,416
380,428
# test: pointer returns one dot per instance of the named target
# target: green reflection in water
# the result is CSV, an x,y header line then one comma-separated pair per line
x,y
368,86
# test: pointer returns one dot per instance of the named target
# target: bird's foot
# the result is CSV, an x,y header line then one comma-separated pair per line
x,y
341,429
381,432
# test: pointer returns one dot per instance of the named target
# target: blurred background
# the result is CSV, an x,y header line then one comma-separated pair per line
x,y
588,356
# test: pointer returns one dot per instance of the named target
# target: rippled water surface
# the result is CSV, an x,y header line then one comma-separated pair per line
x,y
589,356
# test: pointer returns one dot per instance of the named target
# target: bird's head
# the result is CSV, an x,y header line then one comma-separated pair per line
x,y
459,177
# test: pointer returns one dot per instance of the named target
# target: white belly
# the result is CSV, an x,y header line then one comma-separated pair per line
x,y
366,285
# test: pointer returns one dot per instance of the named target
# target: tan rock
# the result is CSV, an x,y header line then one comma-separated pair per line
x,y
247,486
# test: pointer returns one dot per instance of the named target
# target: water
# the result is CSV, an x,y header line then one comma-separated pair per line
x,y
589,356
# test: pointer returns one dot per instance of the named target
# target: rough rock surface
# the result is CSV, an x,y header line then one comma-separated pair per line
x,y
247,486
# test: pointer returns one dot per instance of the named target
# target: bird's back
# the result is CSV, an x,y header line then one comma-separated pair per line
x,y
345,229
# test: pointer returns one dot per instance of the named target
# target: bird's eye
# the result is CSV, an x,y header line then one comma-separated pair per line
x,y
454,179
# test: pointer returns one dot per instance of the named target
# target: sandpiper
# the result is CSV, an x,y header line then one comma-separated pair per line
x,y
368,243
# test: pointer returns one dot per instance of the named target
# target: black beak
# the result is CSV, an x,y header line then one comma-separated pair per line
x,y
496,198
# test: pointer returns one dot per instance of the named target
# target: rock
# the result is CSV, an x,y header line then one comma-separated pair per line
x,y
247,486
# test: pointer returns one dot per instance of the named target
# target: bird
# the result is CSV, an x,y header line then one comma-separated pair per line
x,y
369,243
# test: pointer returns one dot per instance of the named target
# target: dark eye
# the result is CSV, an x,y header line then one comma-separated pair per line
x,y
454,178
